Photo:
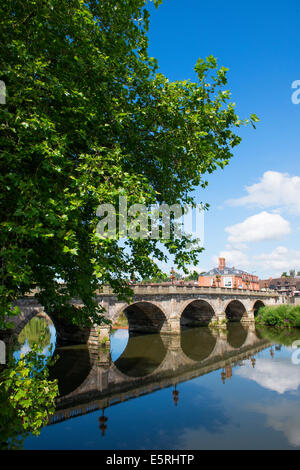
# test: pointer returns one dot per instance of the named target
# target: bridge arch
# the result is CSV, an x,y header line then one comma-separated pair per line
x,y
21,321
257,305
144,317
66,333
196,312
235,310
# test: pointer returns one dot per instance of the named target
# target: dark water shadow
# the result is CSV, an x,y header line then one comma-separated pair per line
x,y
197,343
236,335
142,355
71,368
197,313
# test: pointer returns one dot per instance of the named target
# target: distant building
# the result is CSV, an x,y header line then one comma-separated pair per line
x,y
289,286
223,276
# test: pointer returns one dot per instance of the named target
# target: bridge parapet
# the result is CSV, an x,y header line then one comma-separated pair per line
x,y
182,289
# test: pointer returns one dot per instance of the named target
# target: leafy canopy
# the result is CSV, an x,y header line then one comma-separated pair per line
x,y
89,118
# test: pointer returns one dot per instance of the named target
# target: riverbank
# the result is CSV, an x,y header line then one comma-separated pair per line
x,y
283,316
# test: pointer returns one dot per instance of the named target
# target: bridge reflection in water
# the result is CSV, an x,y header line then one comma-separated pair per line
x,y
89,380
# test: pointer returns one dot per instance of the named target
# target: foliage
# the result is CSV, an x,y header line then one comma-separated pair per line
x,y
279,335
121,321
88,119
156,278
27,397
281,315
36,331
192,276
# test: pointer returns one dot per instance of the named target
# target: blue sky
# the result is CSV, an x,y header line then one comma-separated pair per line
x,y
256,229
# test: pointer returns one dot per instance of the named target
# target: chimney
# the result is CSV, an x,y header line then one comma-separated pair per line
x,y
221,264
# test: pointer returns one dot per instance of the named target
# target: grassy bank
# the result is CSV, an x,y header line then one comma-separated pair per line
x,y
284,316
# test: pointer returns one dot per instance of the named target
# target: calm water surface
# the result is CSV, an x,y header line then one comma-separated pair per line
x,y
234,389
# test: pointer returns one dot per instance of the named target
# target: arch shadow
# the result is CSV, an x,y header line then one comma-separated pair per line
x,y
236,334
72,364
72,367
142,356
257,305
145,318
198,343
235,311
66,332
197,313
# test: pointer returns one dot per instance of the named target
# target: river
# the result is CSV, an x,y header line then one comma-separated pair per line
x,y
231,389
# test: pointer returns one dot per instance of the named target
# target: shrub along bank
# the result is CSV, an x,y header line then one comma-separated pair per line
x,y
287,316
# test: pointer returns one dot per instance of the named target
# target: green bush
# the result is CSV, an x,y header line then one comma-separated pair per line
x,y
281,315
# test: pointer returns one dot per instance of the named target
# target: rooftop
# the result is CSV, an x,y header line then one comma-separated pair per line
x,y
226,270
223,270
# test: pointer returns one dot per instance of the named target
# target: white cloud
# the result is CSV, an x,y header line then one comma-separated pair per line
x,y
274,189
280,259
237,246
277,375
235,258
265,264
258,227
284,416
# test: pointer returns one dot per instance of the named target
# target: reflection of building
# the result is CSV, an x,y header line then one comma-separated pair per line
x,y
175,394
103,420
227,373
223,276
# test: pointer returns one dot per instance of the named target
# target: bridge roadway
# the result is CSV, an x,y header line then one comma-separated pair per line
x,y
157,309
108,383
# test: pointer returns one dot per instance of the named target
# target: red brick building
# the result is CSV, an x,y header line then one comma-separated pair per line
x,y
223,276
284,285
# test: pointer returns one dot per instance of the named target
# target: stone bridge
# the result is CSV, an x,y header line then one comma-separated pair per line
x,y
158,309
147,364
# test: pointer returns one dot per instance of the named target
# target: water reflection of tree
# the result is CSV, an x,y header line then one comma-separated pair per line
x,y
36,331
285,336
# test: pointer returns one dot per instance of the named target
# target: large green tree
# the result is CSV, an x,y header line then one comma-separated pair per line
x,y
88,118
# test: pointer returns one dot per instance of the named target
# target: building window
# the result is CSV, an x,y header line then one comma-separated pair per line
x,y
227,281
